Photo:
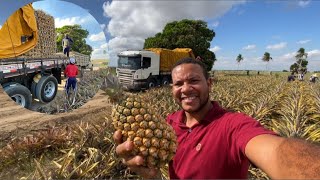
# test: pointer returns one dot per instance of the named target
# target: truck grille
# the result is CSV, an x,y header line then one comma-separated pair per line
x,y
125,77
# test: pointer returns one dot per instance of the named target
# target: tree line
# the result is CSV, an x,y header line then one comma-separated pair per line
x,y
300,64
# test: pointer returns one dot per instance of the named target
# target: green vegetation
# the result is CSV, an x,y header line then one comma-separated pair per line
x,y
78,35
301,61
186,33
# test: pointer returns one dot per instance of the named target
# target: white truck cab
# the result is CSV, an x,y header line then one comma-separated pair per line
x,y
147,68
138,69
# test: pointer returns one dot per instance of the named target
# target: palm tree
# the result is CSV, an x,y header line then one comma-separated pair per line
x,y
239,59
266,58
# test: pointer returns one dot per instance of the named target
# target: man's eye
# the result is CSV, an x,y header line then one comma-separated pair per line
x,y
177,84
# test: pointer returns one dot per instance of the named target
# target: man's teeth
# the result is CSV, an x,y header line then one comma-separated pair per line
x,y
189,98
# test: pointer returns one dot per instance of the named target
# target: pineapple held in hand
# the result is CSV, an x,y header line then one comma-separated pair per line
x,y
152,137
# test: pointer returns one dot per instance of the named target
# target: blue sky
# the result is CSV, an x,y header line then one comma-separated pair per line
x,y
250,28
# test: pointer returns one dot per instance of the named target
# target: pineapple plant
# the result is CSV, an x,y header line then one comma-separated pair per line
x,y
153,138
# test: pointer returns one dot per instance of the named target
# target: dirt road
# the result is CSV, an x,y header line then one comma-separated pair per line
x,y
16,120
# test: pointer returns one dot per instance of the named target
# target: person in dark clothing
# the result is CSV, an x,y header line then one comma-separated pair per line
x,y
66,44
71,72
291,77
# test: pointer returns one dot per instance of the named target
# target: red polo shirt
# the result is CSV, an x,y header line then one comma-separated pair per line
x,y
214,148
71,70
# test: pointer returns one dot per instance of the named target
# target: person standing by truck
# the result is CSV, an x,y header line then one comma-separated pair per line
x,y
71,73
66,44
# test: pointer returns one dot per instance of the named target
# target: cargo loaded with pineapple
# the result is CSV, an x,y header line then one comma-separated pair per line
x,y
29,65
144,69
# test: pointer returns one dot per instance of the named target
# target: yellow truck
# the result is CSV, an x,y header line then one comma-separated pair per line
x,y
29,67
143,69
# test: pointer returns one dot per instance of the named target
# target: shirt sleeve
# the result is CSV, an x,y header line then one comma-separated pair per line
x,y
241,129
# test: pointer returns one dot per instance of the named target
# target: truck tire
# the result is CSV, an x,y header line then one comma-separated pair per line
x,y
165,81
46,89
20,94
33,89
151,83
9,84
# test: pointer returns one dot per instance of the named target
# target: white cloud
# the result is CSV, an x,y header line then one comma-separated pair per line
x,y
60,22
314,54
215,49
131,22
287,57
277,46
215,24
313,60
0,26
103,26
303,41
101,52
249,47
105,45
97,37
303,3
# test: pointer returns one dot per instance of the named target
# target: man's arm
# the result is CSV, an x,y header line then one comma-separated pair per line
x,y
70,40
284,158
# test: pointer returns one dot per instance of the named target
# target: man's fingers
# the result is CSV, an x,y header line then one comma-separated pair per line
x,y
117,136
135,161
146,172
124,149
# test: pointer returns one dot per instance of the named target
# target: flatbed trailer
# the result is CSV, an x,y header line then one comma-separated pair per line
x,y
23,79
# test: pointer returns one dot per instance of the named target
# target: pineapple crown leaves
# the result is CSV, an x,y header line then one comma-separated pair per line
x,y
112,87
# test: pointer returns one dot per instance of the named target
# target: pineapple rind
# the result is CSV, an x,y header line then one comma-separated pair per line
x,y
152,137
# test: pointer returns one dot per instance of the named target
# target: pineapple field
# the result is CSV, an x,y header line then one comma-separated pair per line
x,y
74,141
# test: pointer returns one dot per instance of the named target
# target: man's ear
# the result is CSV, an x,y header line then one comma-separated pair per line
x,y
209,81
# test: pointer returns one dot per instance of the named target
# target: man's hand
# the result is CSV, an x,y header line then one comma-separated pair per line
x,y
134,163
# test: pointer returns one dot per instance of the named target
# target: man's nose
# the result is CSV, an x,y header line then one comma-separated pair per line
x,y
186,87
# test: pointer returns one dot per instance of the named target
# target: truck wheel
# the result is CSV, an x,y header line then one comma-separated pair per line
x,y
9,84
20,94
165,81
151,83
33,89
46,88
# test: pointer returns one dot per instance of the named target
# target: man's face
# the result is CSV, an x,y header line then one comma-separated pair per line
x,y
190,88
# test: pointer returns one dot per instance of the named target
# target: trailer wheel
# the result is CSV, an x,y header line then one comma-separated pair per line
x,y
9,84
20,94
33,89
46,88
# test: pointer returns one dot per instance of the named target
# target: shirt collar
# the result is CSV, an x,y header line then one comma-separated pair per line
x,y
215,113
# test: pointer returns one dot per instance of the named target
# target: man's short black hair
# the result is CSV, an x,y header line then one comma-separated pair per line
x,y
189,60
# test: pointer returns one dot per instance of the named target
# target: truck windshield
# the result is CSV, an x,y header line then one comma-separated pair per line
x,y
129,62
